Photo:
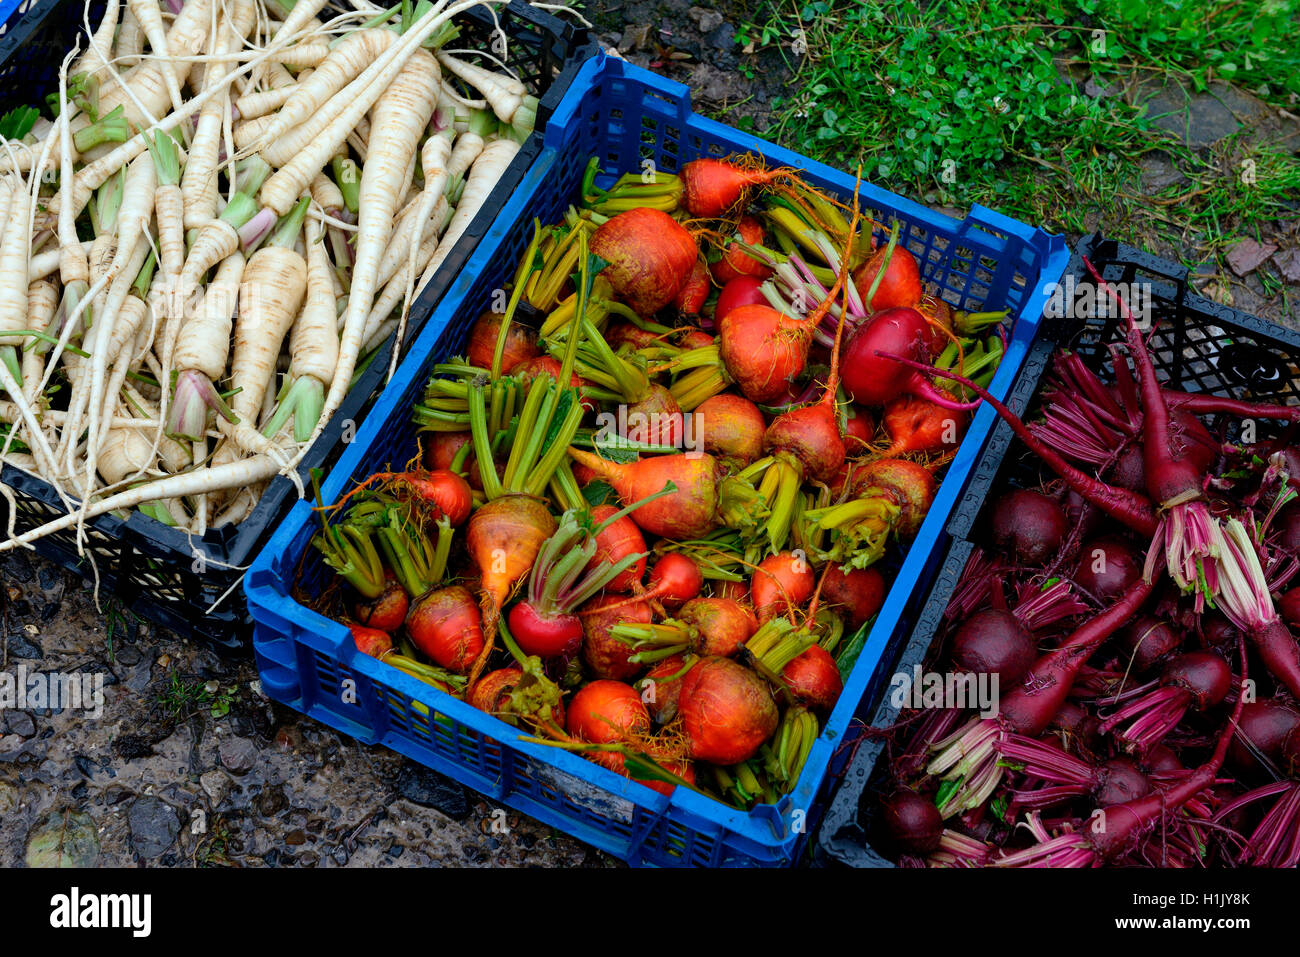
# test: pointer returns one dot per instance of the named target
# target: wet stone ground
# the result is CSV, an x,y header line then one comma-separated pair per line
x,y
190,765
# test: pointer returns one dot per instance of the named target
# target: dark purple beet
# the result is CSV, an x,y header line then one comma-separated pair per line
x,y
1203,673
1288,524
1288,606
1218,632
1290,759
1077,722
1079,513
1265,725
912,822
1148,640
1129,471
1162,760
993,641
1029,525
1244,819
1106,567
1120,781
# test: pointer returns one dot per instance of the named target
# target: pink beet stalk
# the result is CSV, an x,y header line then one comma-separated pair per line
x,y
1187,531
969,756
1116,829
1244,598
1275,842
1197,679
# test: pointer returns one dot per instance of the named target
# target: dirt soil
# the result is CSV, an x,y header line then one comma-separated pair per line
x,y
189,764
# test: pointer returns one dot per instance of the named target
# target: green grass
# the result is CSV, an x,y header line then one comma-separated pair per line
x,y
182,697
958,103
970,102
1250,44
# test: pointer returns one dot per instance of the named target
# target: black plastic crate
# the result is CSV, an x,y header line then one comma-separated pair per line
x,y
1197,346
181,581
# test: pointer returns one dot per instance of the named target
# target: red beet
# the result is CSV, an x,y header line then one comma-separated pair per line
x,y
1076,722
1218,632
741,291
1081,514
606,656
873,379
1162,760
544,635
901,285
1029,708
727,711
650,257
1029,525
1119,780
674,580
1262,731
730,426
858,593
813,679
723,625
1203,674
1289,528
1288,606
1128,471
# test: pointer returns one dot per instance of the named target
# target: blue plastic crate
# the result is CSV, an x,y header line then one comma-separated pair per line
x,y
624,116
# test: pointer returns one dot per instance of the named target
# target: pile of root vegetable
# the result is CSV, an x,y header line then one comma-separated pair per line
x,y
1136,610
214,223
652,502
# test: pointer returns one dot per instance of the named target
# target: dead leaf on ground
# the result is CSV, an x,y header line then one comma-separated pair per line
x,y
1288,260
1248,255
